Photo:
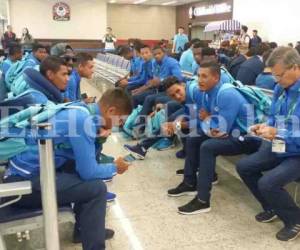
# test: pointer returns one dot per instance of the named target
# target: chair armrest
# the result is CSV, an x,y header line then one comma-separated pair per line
x,y
15,189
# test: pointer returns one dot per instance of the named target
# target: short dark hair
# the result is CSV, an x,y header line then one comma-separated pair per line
x,y
200,44
159,47
170,81
109,28
262,48
37,46
145,46
124,50
273,45
266,56
195,40
83,58
244,28
180,27
255,31
187,46
118,98
208,52
52,63
213,66
14,48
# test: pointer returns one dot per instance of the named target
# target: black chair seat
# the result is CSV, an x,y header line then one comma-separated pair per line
x,y
10,213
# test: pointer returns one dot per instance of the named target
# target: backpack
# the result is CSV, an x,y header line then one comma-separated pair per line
x,y
153,125
14,72
20,121
131,122
255,96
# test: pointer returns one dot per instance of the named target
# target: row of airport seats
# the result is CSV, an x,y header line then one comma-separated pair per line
x,y
111,67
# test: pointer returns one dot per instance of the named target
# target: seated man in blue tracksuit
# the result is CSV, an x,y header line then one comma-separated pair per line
x,y
84,68
252,67
277,163
187,59
82,184
135,61
185,96
224,120
14,55
144,76
163,67
265,79
49,82
38,54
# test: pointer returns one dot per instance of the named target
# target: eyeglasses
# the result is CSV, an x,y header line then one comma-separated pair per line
x,y
279,77
69,58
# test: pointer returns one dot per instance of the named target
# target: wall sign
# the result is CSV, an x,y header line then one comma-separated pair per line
x,y
61,12
210,10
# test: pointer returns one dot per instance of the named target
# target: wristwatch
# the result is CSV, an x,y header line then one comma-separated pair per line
x,y
178,125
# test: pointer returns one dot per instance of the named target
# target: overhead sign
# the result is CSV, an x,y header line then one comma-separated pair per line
x,y
213,9
61,12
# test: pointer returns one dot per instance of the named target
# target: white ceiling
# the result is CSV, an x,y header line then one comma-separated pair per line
x,y
154,2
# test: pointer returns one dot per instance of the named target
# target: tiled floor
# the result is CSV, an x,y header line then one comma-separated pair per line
x,y
143,217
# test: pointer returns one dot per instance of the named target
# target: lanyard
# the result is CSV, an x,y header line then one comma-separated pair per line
x,y
291,108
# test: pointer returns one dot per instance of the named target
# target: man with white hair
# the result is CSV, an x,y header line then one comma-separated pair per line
x,y
277,162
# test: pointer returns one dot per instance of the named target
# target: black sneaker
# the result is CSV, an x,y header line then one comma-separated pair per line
x,y
288,233
180,172
182,189
216,179
266,216
137,151
109,234
195,206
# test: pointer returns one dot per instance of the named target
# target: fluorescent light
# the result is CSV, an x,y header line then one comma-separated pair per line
x,y
169,3
140,1
112,1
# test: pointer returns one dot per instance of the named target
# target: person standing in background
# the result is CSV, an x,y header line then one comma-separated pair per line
x,y
244,39
27,40
255,40
9,38
180,40
109,40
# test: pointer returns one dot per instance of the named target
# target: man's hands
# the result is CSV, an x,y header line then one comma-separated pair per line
x,y
104,133
121,165
264,131
139,90
168,128
215,133
203,114
123,83
153,83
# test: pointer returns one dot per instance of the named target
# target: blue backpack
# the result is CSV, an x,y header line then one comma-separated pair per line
x,y
131,122
153,125
14,72
22,120
255,96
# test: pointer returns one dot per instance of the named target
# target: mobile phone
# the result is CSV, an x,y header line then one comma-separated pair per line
x,y
129,158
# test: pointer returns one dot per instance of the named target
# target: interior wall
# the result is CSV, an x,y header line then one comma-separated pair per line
x,y
88,19
275,20
142,21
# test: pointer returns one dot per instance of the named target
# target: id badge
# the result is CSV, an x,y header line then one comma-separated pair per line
x,y
278,146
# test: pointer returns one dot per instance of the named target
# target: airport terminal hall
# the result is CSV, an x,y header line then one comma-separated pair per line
x,y
149,125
